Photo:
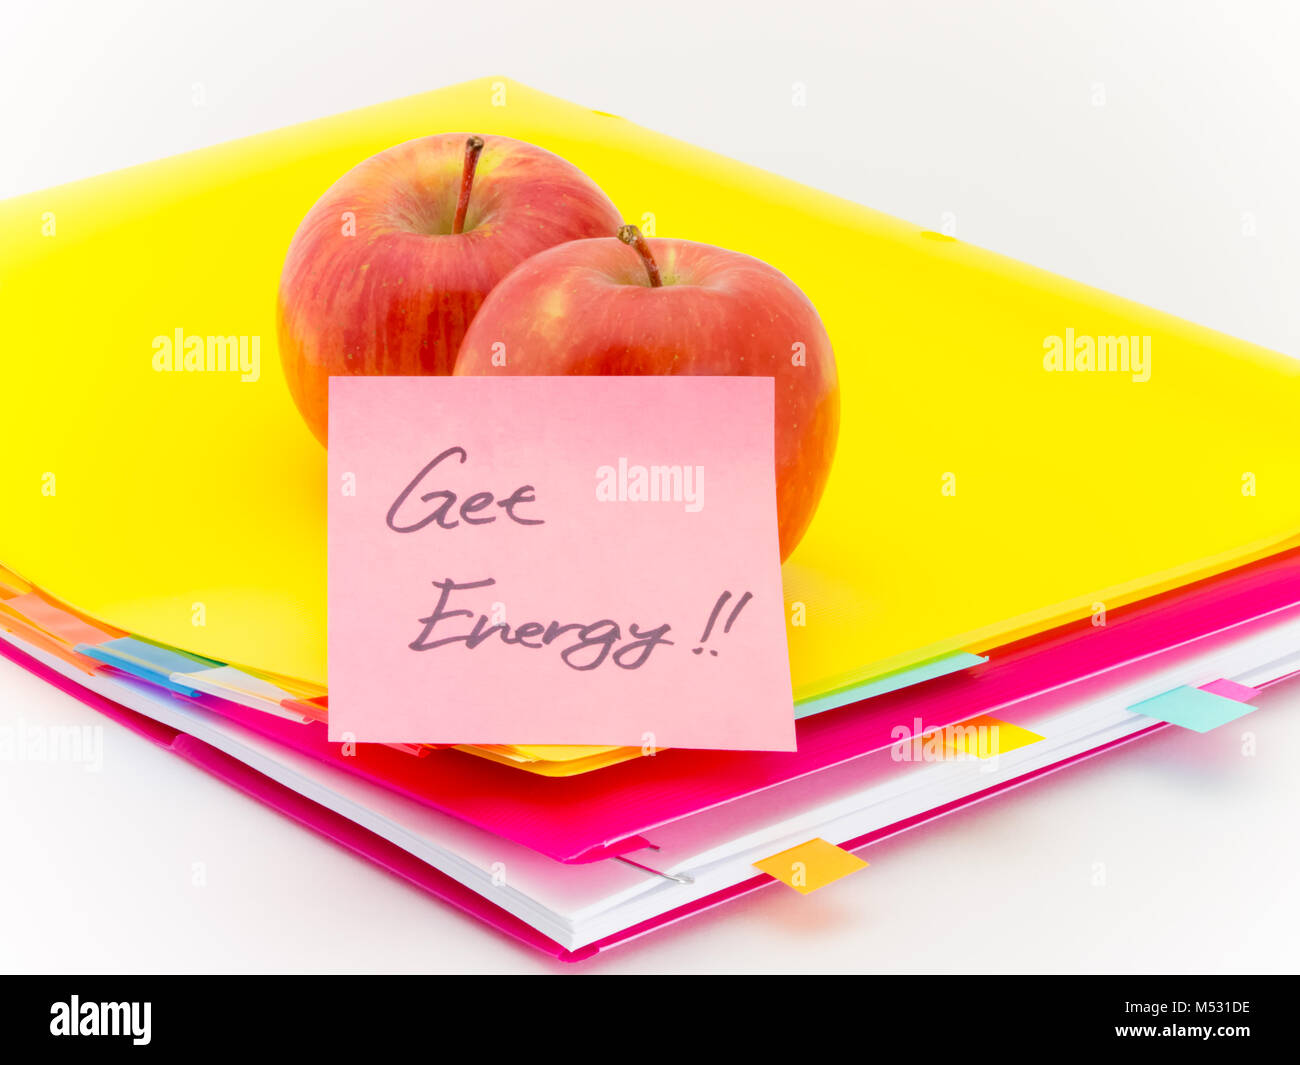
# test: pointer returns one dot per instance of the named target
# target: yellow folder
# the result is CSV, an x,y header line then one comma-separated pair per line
x,y
979,493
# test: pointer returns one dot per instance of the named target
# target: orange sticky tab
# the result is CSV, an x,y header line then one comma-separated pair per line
x,y
316,709
58,622
985,737
811,865
29,633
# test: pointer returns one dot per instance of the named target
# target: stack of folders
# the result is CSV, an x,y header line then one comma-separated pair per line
x,y
1014,567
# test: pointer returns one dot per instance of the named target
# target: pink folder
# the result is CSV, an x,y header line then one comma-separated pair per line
x,y
375,848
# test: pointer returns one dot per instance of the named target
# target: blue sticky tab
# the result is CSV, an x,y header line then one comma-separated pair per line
x,y
148,661
1192,708
904,678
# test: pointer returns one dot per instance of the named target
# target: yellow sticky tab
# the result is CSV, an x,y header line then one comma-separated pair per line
x,y
985,737
811,865
11,584
528,760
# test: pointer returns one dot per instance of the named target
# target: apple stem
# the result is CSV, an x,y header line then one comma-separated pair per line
x,y
632,236
473,149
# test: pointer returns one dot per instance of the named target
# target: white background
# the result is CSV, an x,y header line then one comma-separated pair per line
x,y
1146,148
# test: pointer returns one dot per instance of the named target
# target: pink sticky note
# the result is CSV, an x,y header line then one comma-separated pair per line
x,y
556,560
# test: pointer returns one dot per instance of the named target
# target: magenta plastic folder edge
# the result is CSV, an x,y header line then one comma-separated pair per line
x,y
606,812
381,852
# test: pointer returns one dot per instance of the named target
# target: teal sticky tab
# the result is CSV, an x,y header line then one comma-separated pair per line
x,y
904,678
1192,708
148,661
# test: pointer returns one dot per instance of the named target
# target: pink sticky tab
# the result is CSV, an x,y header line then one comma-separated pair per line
x,y
556,560
1230,689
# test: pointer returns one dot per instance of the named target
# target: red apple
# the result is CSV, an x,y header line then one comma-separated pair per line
x,y
637,306
389,267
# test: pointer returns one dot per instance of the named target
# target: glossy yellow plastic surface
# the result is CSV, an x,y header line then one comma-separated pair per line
x,y
976,497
